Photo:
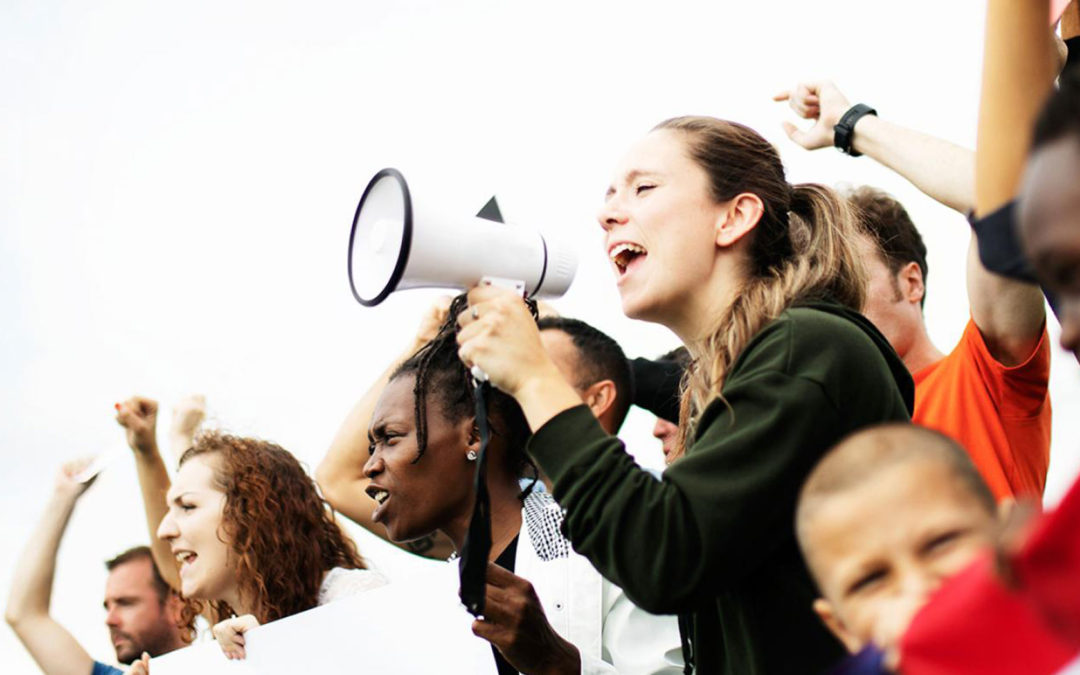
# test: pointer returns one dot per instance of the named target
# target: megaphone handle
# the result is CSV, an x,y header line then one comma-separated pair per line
x,y
516,285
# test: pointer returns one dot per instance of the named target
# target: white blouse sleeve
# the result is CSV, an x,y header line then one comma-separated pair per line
x,y
344,583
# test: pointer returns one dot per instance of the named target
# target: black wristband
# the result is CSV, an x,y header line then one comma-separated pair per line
x,y
844,130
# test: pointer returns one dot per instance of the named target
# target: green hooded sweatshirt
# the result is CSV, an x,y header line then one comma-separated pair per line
x,y
713,540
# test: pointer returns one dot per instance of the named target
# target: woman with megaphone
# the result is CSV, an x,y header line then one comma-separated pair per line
x,y
761,281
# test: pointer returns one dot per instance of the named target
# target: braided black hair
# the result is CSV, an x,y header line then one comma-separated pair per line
x,y
439,370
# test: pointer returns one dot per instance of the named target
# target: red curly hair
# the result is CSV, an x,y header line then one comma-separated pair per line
x,y
282,533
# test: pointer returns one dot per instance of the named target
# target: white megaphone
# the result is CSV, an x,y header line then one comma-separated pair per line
x,y
395,245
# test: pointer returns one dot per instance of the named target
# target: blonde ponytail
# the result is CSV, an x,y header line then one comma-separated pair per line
x,y
803,249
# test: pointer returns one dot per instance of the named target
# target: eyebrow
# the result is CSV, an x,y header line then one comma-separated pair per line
x,y
176,498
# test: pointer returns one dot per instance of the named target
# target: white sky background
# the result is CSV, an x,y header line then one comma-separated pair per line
x,y
178,183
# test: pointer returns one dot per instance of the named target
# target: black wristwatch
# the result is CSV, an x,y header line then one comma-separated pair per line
x,y
844,130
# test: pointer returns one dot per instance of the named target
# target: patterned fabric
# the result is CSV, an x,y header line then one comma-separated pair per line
x,y
543,520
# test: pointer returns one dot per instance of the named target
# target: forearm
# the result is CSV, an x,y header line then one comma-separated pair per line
x,y
544,396
719,511
154,483
943,171
600,485
31,587
1017,77
179,442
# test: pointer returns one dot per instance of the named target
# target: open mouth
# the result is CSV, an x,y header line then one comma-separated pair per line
x,y
378,494
185,559
624,254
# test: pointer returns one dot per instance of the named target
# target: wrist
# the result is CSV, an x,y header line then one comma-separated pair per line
x,y
567,661
147,448
844,129
65,496
545,395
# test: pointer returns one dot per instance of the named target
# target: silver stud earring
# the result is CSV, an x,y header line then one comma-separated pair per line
x,y
471,455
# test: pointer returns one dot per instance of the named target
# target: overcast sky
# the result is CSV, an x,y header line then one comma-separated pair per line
x,y
179,180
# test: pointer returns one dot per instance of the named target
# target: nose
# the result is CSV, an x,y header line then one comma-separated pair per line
x,y
611,214
167,530
374,466
917,586
112,616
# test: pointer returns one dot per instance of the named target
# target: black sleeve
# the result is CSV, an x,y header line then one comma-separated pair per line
x,y
999,247
656,387
1000,251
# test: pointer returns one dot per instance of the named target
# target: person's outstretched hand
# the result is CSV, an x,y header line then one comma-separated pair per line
x,y
230,635
138,416
818,101
67,484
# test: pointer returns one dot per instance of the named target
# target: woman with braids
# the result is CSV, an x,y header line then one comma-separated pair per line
x,y
253,539
760,280
547,610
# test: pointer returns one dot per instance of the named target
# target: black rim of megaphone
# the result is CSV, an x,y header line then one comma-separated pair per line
x,y
406,237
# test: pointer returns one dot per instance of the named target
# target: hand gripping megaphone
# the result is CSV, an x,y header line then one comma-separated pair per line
x,y
397,243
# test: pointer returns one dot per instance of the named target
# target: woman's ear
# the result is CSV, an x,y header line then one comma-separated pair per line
x,y
737,218
474,434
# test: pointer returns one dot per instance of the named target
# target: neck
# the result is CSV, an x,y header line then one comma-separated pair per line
x,y
503,492
921,353
234,599
698,315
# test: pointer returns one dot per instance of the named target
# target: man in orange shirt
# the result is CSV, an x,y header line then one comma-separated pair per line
x,y
990,392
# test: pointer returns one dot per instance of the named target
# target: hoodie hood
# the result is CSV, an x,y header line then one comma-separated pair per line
x,y
899,371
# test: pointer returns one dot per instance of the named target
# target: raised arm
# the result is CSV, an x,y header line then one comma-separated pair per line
x,y
1018,73
138,416
943,171
187,415
340,474
53,648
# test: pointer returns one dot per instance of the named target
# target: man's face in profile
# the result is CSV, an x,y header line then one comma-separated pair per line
x,y
138,618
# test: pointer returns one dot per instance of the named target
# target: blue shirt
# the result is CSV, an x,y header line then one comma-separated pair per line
x,y
105,669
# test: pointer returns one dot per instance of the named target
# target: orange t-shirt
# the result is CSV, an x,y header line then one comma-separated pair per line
x,y
1000,414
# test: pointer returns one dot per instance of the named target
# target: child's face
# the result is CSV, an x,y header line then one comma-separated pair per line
x,y
878,550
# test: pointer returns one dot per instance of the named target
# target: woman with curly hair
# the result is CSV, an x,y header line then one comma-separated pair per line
x,y
253,539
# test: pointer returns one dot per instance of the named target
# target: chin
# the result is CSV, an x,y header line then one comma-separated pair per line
x,y
639,310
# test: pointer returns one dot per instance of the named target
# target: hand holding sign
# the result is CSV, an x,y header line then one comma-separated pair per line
x,y
230,635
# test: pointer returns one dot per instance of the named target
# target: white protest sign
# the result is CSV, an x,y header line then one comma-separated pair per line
x,y
202,657
414,625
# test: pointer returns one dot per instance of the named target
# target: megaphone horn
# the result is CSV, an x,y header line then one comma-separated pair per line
x,y
394,245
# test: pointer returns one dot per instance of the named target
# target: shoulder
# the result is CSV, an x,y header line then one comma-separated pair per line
x,y
803,339
340,583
